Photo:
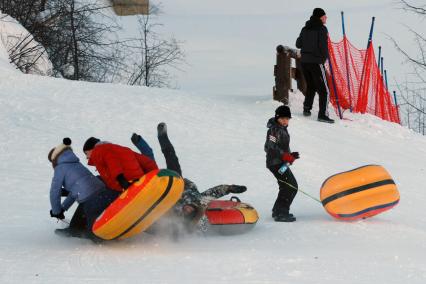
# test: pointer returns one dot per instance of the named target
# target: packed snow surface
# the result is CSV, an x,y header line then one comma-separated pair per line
x,y
219,139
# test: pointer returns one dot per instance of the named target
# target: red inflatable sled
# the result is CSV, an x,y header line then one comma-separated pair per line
x,y
229,217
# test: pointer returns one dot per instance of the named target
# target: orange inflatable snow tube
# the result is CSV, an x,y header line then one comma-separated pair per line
x,y
359,193
140,205
228,217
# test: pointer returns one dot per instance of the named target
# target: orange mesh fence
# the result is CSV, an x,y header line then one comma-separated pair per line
x,y
358,83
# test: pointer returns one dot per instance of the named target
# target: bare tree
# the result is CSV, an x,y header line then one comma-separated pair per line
x,y
77,34
24,51
82,42
80,39
24,11
154,55
413,106
413,90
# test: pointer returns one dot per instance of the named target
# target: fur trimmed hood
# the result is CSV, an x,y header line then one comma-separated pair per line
x,y
58,150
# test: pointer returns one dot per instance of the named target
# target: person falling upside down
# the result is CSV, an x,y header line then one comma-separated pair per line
x,y
193,203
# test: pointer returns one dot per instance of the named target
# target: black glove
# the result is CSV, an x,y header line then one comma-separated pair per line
x,y
237,189
64,192
295,155
60,215
123,181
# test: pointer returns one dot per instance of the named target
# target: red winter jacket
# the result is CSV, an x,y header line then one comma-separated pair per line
x,y
111,160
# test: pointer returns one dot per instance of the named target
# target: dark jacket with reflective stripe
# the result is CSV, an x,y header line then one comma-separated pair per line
x,y
277,143
313,42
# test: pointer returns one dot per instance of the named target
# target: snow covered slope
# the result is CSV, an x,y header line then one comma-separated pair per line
x,y
219,140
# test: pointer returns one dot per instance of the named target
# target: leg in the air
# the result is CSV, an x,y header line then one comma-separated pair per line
x,y
167,148
216,192
142,146
224,189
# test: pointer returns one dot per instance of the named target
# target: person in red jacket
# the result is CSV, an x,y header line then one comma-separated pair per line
x,y
118,166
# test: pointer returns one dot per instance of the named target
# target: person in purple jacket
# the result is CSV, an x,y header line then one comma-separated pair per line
x,y
77,183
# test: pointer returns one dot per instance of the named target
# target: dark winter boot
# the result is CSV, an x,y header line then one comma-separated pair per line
x,y
135,138
325,119
71,232
274,214
162,129
306,112
237,189
95,239
285,217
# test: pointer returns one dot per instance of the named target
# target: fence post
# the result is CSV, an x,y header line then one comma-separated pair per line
x,y
345,44
370,37
397,107
386,80
282,76
378,58
335,89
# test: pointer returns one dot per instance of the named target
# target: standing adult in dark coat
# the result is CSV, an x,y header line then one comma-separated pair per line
x,y
313,42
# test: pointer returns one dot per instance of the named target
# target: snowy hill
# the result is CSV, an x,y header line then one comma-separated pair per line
x,y
219,139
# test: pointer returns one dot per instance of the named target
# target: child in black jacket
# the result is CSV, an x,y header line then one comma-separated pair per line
x,y
278,160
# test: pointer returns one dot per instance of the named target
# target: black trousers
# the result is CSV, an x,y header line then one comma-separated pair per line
x,y
169,153
316,82
287,190
87,212
79,220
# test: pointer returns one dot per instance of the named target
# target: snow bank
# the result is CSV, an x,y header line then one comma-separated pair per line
x,y
11,35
